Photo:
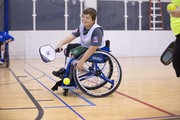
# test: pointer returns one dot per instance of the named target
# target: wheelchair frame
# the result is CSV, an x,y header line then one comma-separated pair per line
x,y
101,75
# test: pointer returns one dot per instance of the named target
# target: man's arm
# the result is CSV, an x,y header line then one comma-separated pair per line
x,y
86,55
175,13
66,40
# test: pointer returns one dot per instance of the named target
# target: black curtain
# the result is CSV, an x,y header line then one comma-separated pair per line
x,y
1,15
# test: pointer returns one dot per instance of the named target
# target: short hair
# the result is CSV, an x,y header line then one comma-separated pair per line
x,y
91,11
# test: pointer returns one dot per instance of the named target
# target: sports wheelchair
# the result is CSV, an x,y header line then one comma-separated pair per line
x,y
100,77
6,55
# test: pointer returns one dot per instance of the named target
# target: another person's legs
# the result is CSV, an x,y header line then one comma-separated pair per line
x,y
2,48
176,56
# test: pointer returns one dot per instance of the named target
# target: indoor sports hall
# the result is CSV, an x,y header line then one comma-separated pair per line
x,y
131,79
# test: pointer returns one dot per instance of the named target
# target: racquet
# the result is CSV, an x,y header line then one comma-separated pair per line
x,y
166,57
48,53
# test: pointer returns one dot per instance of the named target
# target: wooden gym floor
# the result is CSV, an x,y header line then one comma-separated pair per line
x,y
148,91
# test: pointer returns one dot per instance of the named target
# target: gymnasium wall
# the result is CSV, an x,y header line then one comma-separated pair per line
x,y
50,23
50,14
123,43
1,14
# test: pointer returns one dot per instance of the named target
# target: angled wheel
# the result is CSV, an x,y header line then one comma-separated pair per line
x,y
65,93
102,75
107,69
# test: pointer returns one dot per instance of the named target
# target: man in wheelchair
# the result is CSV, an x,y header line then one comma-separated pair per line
x,y
4,39
91,38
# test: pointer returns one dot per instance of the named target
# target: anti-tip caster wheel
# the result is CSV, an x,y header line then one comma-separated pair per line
x,y
65,93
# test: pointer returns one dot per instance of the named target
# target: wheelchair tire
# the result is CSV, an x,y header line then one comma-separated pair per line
x,y
97,81
101,84
102,67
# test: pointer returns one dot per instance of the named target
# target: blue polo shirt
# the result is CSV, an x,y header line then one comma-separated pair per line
x,y
5,36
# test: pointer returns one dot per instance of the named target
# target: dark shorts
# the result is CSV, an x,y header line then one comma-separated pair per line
x,y
70,47
77,51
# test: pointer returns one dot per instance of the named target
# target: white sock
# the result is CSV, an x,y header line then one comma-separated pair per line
x,y
68,59
2,55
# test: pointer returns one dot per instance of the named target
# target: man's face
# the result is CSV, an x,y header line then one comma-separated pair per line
x,y
87,21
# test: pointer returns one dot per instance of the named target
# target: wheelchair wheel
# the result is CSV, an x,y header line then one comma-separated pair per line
x,y
106,68
101,75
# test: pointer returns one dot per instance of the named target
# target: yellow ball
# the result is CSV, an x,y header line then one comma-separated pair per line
x,y
171,6
66,81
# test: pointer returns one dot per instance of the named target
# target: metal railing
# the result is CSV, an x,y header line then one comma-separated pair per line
x,y
81,10
65,14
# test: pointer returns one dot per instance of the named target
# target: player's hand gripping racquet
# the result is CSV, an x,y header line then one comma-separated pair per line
x,y
48,53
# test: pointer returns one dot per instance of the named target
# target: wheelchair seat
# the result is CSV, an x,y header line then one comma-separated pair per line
x,y
107,46
98,57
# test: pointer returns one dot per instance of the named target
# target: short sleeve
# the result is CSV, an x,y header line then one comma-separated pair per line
x,y
97,37
76,32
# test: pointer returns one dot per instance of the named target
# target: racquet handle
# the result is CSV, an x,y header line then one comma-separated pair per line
x,y
57,50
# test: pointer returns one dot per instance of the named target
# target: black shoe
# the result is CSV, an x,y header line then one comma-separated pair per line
x,y
59,72
61,76
55,87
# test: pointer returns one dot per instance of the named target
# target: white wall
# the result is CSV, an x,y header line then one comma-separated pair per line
x,y
133,0
123,43
90,3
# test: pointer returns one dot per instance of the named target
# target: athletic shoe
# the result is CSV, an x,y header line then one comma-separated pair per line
x,y
59,73
1,62
55,87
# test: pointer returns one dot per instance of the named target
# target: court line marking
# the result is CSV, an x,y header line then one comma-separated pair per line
x,y
176,117
56,96
38,106
18,108
147,104
83,98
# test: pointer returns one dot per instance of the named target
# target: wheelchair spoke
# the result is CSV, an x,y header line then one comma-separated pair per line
x,y
101,75
106,79
86,76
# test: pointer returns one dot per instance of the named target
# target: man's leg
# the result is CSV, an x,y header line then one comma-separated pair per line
x,y
176,57
60,73
74,53
2,48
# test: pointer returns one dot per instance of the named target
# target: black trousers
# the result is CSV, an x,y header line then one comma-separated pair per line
x,y
1,43
176,56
